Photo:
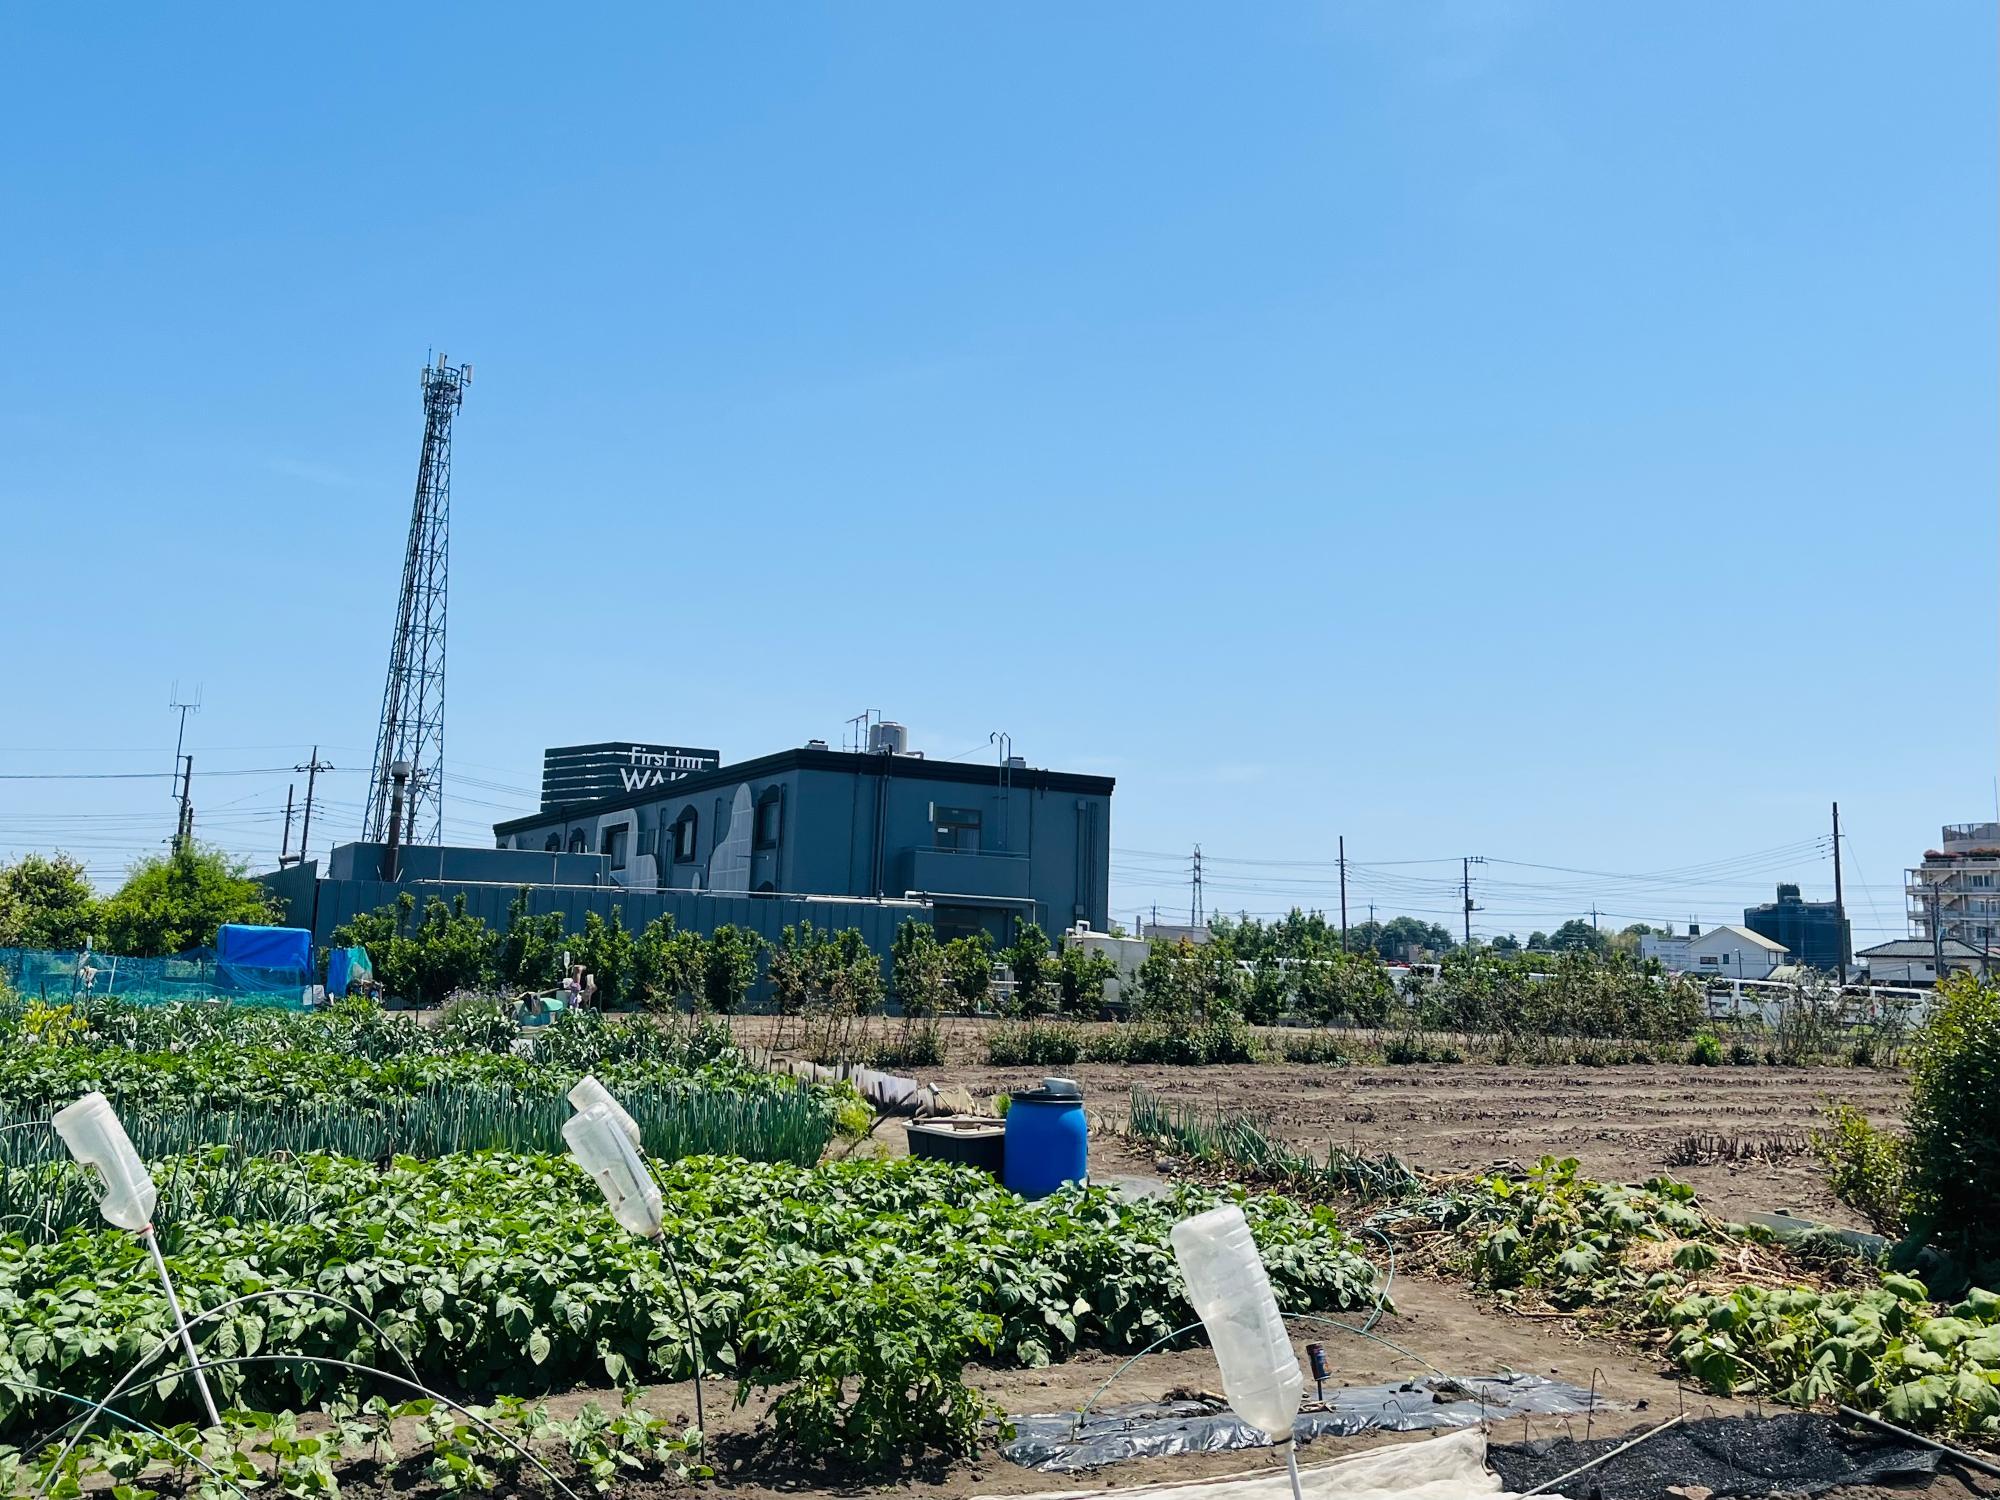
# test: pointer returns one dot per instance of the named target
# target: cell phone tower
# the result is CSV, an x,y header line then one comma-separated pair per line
x,y
412,729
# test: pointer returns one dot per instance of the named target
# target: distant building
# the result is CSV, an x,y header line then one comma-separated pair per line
x,y
575,774
1961,882
1669,947
1174,932
1914,960
1733,952
1813,931
983,847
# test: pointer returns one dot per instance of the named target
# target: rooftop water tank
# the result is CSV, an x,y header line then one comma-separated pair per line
x,y
888,738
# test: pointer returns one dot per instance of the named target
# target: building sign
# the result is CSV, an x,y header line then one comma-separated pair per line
x,y
655,765
576,774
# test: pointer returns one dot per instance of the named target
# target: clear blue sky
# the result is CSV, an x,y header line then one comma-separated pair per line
x,y
1564,433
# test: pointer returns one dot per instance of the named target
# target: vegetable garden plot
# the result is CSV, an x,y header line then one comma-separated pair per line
x,y
861,1289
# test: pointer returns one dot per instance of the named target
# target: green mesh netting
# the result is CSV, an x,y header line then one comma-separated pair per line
x,y
195,975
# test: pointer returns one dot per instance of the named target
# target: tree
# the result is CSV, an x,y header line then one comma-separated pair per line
x,y
605,951
1626,939
666,964
1028,959
45,902
1081,974
969,963
530,956
729,966
1578,936
173,902
423,958
1506,943
1404,937
918,970
1538,941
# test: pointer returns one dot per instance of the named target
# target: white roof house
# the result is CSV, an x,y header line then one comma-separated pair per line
x,y
1734,952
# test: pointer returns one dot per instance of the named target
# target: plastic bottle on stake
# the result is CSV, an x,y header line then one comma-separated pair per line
x,y
589,1091
95,1137
599,1143
1232,1295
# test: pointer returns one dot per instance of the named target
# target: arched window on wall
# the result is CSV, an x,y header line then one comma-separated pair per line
x,y
579,841
687,828
770,822
553,844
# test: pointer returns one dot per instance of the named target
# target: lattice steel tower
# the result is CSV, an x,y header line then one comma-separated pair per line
x,y
412,730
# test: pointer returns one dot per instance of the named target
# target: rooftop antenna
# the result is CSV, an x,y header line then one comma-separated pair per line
x,y
411,733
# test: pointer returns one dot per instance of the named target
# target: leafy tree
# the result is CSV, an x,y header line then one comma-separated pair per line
x,y
172,902
530,956
1081,974
666,964
1028,958
605,951
1626,939
729,966
1403,936
1336,986
1264,997
1954,1132
1578,936
1505,943
969,964
1538,941
45,902
919,971
1184,981
424,958
1365,937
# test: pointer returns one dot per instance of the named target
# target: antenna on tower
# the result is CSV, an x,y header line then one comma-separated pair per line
x,y
411,734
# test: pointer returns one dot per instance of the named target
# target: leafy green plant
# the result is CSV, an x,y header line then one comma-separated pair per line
x,y
1954,1120
1038,1044
1867,1167
1705,1051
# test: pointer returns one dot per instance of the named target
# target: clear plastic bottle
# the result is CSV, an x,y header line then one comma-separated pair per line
x,y
589,1091
600,1145
1229,1290
91,1129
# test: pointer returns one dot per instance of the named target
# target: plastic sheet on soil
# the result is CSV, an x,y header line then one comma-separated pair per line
x,y
1444,1468
1052,1443
1796,1453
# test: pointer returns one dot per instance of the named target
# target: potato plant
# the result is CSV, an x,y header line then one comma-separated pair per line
x,y
860,1290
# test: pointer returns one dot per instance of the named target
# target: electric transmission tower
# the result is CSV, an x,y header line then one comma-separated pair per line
x,y
411,737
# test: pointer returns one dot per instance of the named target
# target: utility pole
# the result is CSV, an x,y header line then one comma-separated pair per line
x,y
184,829
1839,902
1593,916
312,768
1343,893
184,707
285,848
1194,894
1937,935
1465,890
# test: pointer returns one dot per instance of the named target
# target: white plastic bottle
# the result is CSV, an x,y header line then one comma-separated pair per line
x,y
589,1091
600,1145
1229,1290
91,1129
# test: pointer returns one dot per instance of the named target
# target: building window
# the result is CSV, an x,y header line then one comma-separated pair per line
x,y
579,842
1710,960
612,842
685,828
770,819
553,844
956,827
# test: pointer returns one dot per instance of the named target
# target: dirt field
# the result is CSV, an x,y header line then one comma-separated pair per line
x,y
1624,1124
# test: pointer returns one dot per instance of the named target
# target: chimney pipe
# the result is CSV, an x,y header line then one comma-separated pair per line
x,y
399,773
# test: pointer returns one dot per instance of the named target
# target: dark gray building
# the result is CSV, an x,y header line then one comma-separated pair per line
x,y
1814,931
573,774
979,845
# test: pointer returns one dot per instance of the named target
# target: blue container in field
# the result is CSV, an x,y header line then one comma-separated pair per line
x,y
1048,1140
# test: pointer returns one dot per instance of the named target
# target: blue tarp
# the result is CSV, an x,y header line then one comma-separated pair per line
x,y
246,947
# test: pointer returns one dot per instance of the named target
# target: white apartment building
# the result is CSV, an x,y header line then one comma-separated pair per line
x,y
1961,883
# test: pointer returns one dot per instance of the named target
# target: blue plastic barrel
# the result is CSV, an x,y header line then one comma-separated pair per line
x,y
1048,1140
